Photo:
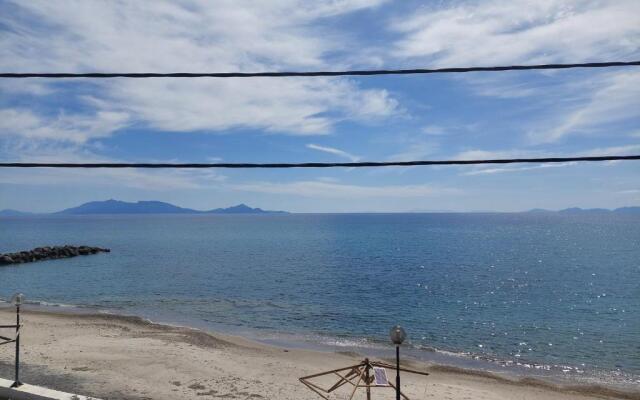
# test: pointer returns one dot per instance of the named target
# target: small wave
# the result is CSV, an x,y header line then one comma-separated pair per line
x,y
562,374
48,304
343,342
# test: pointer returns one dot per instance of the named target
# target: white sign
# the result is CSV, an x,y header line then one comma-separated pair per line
x,y
381,376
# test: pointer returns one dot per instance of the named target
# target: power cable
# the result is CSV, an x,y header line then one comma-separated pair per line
x,y
100,75
320,165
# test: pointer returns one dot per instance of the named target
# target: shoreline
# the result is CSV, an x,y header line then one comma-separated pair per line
x,y
232,349
554,375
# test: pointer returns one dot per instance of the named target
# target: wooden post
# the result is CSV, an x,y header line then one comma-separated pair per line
x,y
356,386
367,379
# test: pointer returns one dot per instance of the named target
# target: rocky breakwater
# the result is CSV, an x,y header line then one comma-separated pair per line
x,y
49,253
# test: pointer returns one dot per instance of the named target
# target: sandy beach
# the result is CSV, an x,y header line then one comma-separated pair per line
x,y
117,357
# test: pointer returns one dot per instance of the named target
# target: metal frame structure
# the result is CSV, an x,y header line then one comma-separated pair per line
x,y
358,376
16,340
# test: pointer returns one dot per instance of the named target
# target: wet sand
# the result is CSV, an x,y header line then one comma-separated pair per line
x,y
119,357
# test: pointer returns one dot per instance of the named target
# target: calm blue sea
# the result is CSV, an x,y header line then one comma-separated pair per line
x,y
549,293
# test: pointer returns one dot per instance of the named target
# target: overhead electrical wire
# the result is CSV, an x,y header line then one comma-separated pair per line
x,y
99,75
321,165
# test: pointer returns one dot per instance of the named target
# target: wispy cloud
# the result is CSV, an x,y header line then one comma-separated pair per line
x,y
324,189
491,171
519,153
416,150
334,151
494,32
600,104
45,151
434,130
77,128
477,154
629,191
154,181
625,150
497,33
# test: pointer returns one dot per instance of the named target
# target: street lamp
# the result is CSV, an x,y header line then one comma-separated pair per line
x,y
397,336
17,300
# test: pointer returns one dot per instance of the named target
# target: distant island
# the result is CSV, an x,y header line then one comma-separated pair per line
x,y
578,210
140,207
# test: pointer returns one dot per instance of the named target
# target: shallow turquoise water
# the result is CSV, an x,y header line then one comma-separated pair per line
x,y
549,292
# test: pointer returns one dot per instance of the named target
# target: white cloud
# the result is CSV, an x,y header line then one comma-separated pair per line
x,y
434,130
477,154
625,150
63,127
596,104
423,144
496,32
47,151
491,171
613,98
629,191
427,142
505,86
519,153
163,36
290,106
152,180
496,154
416,150
323,189
31,87
334,151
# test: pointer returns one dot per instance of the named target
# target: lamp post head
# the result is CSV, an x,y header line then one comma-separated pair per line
x,y
397,335
17,299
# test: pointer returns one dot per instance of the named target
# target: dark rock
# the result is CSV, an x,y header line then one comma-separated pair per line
x,y
49,253
6,260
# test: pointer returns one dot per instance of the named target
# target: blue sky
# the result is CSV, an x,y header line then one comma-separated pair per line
x,y
552,113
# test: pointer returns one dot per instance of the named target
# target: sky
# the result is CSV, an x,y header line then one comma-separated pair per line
x,y
319,119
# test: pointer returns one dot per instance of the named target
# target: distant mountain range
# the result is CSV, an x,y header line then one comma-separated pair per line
x,y
159,207
14,213
577,210
141,207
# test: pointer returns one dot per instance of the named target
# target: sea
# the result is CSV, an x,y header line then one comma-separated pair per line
x,y
546,295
